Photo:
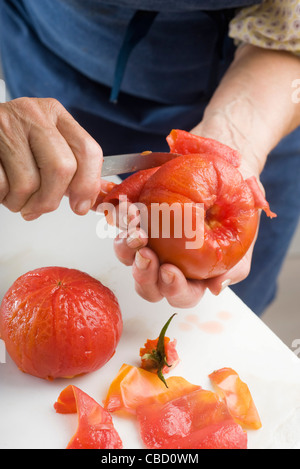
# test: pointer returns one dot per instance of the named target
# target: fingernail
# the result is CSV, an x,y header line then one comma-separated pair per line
x,y
30,216
141,262
167,276
83,207
225,284
134,241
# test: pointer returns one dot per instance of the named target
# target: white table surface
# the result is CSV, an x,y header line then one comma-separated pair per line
x,y
219,332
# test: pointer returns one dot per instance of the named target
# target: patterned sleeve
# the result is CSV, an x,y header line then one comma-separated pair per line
x,y
273,24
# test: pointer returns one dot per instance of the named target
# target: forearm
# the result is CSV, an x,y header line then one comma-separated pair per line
x,y
253,109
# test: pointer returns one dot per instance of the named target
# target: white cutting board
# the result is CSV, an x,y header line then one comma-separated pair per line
x,y
219,332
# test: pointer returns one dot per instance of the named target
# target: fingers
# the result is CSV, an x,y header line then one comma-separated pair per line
x,y
86,183
154,282
21,177
57,167
238,273
4,186
126,247
145,273
45,154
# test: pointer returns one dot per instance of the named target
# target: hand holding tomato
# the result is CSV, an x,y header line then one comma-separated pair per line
x,y
210,173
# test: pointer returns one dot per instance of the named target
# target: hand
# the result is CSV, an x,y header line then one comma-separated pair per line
x,y
153,281
45,154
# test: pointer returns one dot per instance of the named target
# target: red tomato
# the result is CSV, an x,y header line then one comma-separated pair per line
x,y
95,426
237,397
59,322
205,174
198,420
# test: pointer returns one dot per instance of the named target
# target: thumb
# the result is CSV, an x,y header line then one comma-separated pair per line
x,y
235,275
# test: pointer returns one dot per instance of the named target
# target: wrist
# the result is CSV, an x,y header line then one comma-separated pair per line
x,y
219,125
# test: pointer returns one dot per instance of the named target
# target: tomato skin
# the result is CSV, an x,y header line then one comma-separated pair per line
x,y
95,427
130,187
59,322
133,387
237,396
198,420
185,143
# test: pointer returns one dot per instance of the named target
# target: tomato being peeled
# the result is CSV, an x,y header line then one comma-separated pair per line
x,y
204,186
59,322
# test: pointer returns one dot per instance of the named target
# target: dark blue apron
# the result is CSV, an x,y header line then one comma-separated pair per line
x,y
88,54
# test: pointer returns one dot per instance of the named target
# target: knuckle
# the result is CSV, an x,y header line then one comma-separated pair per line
x,y
182,303
87,188
53,104
24,106
40,205
147,295
48,206
89,148
64,167
27,188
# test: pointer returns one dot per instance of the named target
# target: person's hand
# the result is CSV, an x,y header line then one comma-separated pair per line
x,y
44,155
153,281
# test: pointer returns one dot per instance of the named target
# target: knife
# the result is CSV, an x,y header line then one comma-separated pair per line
x,y
122,164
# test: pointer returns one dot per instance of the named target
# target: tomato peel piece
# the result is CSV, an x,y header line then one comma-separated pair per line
x,y
259,199
133,387
237,396
198,420
186,143
95,427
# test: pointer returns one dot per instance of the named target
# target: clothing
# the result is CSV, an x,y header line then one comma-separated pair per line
x,y
274,24
70,50
281,180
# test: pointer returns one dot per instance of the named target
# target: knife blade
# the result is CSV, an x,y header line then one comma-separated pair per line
x,y
122,164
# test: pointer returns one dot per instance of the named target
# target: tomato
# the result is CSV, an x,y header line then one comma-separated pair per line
x,y
237,396
198,420
95,426
59,322
204,184
134,386
160,355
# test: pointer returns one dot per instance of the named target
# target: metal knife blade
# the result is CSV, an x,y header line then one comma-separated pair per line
x,y
122,164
